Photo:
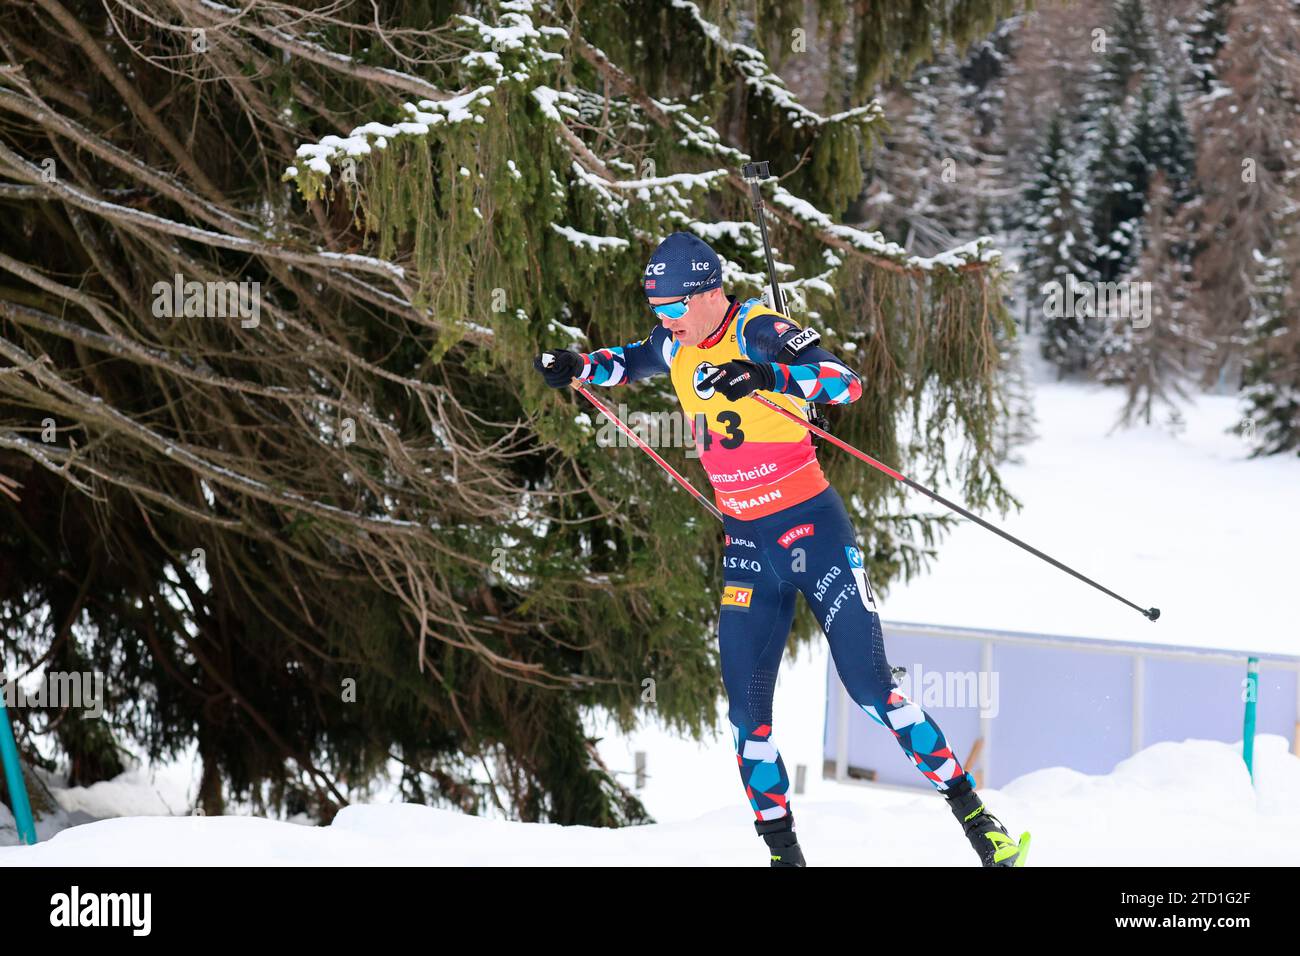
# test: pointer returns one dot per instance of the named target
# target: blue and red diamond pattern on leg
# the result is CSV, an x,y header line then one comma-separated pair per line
x,y
762,772
920,738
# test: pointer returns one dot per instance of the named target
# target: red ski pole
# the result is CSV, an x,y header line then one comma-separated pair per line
x,y
579,387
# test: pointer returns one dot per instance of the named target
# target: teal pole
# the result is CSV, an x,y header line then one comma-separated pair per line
x,y
1248,731
14,779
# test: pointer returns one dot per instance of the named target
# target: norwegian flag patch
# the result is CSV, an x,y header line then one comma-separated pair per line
x,y
649,283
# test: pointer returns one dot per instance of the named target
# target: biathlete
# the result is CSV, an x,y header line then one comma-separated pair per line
x,y
786,528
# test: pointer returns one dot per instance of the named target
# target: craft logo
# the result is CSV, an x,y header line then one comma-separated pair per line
x,y
735,596
794,534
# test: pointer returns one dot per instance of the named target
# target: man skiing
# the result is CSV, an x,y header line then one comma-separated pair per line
x,y
787,530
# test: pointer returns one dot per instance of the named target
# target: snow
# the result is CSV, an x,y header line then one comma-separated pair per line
x,y
1185,522
1074,817
427,114
589,242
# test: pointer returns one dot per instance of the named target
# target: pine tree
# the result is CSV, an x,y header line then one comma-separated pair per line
x,y
1177,149
1271,378
1250,126
1058,248
1150,352
1205,39
1130,49
932,180
357,533
1116,206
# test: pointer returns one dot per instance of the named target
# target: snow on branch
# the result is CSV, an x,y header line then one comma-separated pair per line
x,y
589,242
977,251
361,141
752,65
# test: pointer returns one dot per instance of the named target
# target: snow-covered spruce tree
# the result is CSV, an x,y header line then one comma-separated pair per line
x,y
1205,39
1059,250
1130,49
1271,377
353,535
934,178
1116,207
1175,150
1248,128
1151,353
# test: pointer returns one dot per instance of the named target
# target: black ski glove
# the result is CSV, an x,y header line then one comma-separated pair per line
x,y
559,366
737,378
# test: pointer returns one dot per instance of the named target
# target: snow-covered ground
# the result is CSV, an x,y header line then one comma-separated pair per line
x,y
1183,522
1189,803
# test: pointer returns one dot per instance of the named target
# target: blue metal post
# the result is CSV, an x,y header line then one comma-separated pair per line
x,y
14,779
1248,731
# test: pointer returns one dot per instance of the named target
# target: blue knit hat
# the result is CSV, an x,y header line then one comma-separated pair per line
x,y
682,265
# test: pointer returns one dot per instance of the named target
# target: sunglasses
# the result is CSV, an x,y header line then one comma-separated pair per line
x,y
671,310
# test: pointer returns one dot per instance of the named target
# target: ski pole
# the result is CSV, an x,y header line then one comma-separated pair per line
x,y
1150,613
579,387
754,173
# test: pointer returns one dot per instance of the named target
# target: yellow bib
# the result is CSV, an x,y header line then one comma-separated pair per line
x,y
757,461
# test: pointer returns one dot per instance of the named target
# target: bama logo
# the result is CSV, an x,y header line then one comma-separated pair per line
x,y
735,596
794,534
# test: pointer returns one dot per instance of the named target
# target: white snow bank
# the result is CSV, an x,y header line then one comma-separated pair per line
x,y
1170,805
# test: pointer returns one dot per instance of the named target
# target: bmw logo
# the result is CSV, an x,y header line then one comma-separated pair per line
x,y
701,370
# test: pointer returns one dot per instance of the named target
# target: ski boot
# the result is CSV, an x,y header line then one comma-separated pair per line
x,y
985,831
781,841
